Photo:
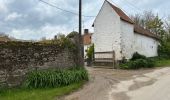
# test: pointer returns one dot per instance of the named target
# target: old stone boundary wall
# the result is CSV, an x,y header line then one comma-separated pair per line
x,y
18,58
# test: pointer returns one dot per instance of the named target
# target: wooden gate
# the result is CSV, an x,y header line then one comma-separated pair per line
x,y
104,59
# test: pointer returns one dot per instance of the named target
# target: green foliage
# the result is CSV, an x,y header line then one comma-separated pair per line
x,y
55,78
90,52
138,63
156,26
164,49
72,34
61,41
38,94
152,22
137,56
162,63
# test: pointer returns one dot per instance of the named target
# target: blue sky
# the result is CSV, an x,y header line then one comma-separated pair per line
x,y
32,19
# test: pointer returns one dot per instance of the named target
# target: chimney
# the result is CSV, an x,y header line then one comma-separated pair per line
x,y
86,31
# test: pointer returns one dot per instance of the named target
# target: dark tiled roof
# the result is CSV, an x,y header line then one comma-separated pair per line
x,y
140,30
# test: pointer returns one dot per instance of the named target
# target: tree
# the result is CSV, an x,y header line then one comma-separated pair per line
x,y
143,19
43,39
152,22
167,25
72,34
157,26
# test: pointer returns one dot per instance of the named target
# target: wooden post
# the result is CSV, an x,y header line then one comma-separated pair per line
x,y
81,46
114,60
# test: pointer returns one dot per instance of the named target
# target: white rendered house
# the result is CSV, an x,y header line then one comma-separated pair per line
x,y
115,31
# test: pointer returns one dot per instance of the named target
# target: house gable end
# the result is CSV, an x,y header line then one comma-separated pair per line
x,y
105,2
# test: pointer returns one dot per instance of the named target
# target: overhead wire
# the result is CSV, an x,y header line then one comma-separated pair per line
x,y
64,10
131,6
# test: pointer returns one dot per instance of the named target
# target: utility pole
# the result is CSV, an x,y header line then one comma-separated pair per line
x,y
80,17
81,46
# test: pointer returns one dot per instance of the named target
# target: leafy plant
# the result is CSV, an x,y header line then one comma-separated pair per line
x,y
55,78
138,63
164,49
137,56
90,52
72,34
90,55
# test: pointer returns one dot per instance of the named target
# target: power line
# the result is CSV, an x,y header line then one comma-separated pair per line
x,y
119,7
134,7
131,6
49,4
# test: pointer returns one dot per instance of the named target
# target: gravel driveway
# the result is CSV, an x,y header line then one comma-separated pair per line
x,y
110,84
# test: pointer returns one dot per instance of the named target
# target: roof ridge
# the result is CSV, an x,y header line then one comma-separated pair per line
x,y
143,31
121,13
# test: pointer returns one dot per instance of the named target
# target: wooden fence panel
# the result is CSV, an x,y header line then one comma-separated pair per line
x,y
106,58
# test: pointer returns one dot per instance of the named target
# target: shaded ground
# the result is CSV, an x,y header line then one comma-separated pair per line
x,y
110,84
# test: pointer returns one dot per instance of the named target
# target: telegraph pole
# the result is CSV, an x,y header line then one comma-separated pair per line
x,y
80,17
81,46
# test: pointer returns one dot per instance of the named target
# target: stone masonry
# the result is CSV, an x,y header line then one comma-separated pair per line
x,y
16,59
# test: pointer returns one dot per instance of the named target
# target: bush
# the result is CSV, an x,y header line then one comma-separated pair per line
x,y
164,50
72,34
137,56
55,78
139,63
90,54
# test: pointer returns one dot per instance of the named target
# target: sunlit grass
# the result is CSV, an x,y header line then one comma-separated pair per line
x,y
38,94
162,63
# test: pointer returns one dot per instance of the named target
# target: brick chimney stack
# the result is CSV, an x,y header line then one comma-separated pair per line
x,y
86,31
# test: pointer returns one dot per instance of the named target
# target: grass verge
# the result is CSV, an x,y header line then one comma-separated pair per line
x,y
162,63
38,94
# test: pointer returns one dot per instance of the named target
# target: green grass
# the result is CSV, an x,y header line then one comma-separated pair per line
x,y
38,94
162,63
157,62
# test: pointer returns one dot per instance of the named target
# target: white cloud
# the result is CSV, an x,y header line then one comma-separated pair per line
x,y
33,25
47,31
3,7
13,16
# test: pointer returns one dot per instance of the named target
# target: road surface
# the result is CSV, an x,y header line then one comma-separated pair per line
x,y
110,84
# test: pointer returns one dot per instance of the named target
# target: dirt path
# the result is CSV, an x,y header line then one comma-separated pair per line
x,y
110,84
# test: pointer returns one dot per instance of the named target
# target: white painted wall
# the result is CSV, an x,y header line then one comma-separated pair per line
x,y
107,31
113,34
145,45
127,39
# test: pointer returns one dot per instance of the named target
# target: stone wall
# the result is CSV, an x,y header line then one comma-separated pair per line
x,y
18,58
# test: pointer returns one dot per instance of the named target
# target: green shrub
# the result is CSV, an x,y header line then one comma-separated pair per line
x,y
150,63
90,55
137,56
72,34
90,52
139,63
55,78
164,49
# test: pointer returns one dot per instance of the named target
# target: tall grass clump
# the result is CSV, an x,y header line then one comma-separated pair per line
x,y
55,78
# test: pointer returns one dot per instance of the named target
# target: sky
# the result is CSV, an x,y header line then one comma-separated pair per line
x,y
32,19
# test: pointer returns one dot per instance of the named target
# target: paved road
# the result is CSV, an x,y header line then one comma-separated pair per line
x,y
110,84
